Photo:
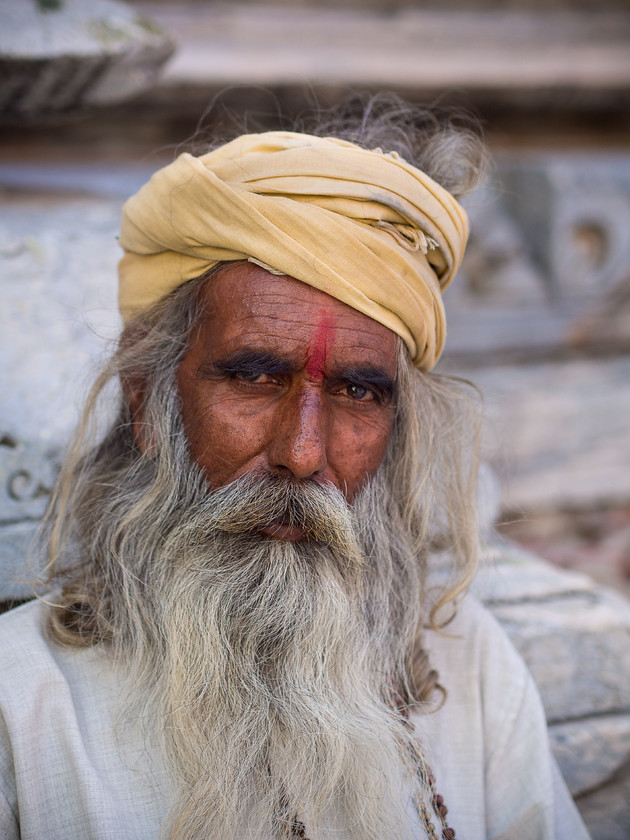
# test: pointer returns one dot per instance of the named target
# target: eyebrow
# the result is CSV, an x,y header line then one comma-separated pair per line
x,y
249,360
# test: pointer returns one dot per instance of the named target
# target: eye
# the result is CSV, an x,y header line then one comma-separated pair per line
x,y
252,377
358,392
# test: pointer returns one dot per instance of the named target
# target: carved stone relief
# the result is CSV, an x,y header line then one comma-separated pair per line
x,y
26,477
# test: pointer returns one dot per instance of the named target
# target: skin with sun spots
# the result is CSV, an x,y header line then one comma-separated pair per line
x,y
281,378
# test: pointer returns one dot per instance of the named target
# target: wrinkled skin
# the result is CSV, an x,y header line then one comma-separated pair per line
x,y
281,378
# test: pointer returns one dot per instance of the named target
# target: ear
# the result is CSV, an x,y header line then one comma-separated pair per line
x,y
134,387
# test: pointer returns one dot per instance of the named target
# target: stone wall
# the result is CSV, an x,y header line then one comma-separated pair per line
x,y
575,638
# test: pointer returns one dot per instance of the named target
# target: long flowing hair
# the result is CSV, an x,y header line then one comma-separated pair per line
x,y
241,655
257,656
107,491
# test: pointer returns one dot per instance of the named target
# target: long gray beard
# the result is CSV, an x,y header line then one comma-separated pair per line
x,y
268,662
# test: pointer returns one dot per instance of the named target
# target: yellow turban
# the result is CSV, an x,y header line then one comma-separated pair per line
x,y
363,226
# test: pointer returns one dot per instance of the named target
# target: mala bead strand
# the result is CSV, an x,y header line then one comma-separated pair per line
x,y
426,818
437,801
298,829
419,769
418,766
293,829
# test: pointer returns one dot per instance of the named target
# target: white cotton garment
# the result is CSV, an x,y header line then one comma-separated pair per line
x,y
488,745
70,771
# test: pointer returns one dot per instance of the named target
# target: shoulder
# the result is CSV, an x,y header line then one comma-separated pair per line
x,y
23,646
488,684
474,648
26,665
33,678
490,737
69,765
37,670
41,678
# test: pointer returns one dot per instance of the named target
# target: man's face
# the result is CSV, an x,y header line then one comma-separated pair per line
x,y
283,379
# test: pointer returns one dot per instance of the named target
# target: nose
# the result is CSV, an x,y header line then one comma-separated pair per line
x,y
298,445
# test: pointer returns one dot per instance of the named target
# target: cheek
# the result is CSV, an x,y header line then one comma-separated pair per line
x,y
222,442
220,438
358,450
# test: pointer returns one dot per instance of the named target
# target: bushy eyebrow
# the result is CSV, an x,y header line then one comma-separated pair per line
x,y
249,361
370,377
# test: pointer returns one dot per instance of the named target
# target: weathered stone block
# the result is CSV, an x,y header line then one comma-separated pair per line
x,y
606,811
578,649
590,751
574,635
26,479
17,573
58,282
63,56
575,210
557,433
508,574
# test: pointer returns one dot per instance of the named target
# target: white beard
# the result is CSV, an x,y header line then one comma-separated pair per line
x,y
267,665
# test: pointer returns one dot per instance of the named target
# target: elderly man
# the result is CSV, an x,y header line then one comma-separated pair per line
x,y
243,639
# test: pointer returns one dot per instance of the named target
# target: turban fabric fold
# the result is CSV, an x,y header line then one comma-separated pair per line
x,y
363,226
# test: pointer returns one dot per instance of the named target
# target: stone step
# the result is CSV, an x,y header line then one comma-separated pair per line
x,y
589,752
578,649
510,575
606,811
63,57
404,48
573,634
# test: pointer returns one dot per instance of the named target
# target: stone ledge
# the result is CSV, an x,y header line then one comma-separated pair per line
x,y
403,48
606,811
509,575
74,55
573,634
15,541
578,649
590,751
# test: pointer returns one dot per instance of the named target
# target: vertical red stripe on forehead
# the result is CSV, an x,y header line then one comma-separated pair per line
x,y
322,340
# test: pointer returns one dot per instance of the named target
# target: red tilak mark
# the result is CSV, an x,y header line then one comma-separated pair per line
x,y
321,342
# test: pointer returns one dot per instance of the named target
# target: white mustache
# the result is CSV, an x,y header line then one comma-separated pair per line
x,y
253,502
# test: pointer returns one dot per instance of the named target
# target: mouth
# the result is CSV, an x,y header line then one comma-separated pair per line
x,y
282,531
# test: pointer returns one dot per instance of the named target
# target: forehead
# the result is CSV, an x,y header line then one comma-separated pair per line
x,y
245,305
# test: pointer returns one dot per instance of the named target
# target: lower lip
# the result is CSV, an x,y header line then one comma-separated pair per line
x,y
283,532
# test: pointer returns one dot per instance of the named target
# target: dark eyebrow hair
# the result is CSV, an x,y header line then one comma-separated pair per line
x,y
249,360
252,361
374,378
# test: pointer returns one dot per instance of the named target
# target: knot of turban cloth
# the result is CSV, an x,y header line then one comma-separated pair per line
x,y
363,226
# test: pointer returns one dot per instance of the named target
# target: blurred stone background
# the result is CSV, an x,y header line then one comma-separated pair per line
x,y
539,317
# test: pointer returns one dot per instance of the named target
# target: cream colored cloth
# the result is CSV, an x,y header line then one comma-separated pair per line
x,y
363,226
70,771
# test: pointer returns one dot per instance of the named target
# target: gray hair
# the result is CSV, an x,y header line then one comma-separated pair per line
x,y
445,143
142,568
104,493
431,461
